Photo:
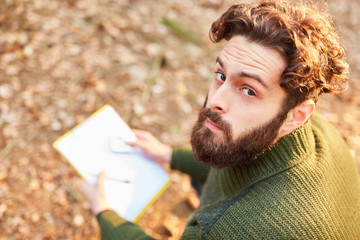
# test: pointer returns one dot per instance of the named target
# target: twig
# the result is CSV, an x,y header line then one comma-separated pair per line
x,y
150,80
181,31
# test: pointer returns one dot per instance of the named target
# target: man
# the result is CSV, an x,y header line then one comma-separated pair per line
x,y
277,169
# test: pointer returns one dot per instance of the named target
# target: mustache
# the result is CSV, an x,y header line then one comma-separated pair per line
x,y
216,118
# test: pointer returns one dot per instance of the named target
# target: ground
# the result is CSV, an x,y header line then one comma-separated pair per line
x,y
152,61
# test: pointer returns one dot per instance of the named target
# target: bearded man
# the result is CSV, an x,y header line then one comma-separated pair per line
x,y
272,167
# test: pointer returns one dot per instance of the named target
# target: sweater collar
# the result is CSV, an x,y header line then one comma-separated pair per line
x,y
287,152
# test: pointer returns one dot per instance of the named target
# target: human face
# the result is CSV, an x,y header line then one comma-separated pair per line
x,y
246,88
215,138
232,152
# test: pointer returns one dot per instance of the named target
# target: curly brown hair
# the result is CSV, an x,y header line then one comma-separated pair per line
x,y
304,35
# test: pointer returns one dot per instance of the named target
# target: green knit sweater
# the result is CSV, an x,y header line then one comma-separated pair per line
x,y
304,187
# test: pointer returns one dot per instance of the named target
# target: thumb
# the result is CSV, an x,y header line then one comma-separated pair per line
x,y
83,186
101,178
133,144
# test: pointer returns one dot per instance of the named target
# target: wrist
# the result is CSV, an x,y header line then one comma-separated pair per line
x,y
168,154
99,208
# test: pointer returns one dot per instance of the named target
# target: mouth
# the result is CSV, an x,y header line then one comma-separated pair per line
x,y
212,125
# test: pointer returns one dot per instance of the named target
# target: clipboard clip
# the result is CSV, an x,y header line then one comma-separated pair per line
x,y
118,145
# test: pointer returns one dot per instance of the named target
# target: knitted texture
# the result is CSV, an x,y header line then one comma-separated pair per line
x,y
306,186
183,160
113,227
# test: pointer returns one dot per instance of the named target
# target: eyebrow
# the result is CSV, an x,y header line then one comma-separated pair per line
x,y
243,74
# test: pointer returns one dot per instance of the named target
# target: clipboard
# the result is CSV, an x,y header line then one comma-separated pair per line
x,y
133,181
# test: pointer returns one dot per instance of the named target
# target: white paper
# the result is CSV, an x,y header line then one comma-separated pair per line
x,y
132,179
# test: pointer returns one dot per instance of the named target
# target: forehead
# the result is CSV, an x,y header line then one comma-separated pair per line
x,y
240,54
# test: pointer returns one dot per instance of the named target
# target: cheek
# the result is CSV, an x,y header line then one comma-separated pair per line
x,y
239,124
245,118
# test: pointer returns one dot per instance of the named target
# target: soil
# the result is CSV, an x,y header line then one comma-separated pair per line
x,y
152,61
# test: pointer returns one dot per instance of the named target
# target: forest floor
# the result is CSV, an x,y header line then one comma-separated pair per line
x,y
152,61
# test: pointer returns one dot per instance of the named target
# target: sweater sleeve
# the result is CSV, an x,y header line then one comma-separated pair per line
x,y
184,161
112,226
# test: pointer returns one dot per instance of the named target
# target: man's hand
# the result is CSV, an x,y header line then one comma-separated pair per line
x,y
95,194
153,148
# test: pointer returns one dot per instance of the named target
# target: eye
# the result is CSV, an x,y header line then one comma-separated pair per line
x,y
249,92
220,77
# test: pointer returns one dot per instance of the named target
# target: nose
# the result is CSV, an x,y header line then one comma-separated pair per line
x,y
219,99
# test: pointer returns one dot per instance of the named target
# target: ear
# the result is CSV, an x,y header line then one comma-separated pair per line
x,y
297,117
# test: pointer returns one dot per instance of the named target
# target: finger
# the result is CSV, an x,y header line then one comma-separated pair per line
x,y
140,143
133,144
84,187
135,130
101,178
143,135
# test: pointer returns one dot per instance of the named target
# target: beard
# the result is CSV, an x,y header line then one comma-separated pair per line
x,y
224,151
